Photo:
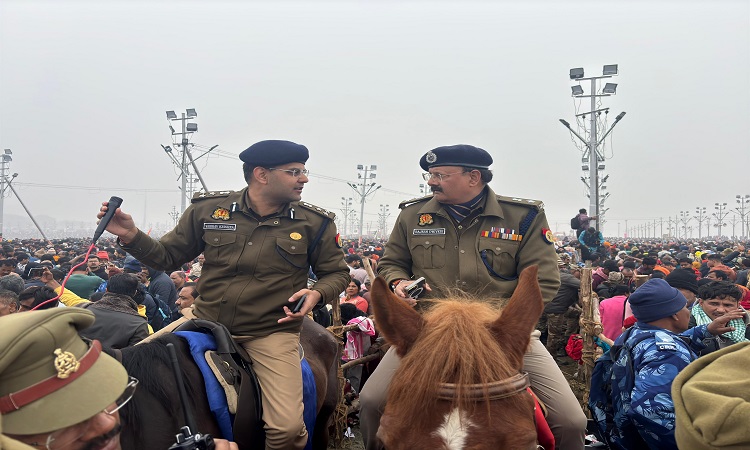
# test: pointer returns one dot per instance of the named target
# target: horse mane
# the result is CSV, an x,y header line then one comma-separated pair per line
x,y
456,346
150,363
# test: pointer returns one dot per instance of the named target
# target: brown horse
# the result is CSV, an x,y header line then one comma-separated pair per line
x,y
459,383
154,416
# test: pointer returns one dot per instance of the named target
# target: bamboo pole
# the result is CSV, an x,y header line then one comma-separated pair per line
x,y
588,332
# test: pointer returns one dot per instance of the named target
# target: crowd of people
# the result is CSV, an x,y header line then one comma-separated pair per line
x,y
666,303
251,254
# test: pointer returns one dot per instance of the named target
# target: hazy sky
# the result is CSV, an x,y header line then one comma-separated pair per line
x,y
84,86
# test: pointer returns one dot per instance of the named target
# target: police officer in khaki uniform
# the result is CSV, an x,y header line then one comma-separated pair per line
x,y
258,245
465,236
58,391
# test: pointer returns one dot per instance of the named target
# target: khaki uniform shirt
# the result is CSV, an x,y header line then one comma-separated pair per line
x,y
425,242
252,266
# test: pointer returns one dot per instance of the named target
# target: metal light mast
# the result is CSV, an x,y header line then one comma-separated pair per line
x,y
363,189
346,204
743,201
701,211
5,160
184,159
592,156
720,215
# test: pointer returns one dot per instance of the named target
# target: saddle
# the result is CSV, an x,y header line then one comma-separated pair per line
x,y
236,375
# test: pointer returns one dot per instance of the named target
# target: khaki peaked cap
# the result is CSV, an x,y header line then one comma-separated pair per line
x,y
27,356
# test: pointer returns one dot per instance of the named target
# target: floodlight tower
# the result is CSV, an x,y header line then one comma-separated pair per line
x,y
5,160
363,189
184,160
701,217
720,215
383,218
593,159
346,208
685,219
743,201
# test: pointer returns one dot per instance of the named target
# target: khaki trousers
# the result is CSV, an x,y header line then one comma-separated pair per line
x,y
564,414
276,362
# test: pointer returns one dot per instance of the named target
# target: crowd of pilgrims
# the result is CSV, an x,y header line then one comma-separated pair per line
x,y
711,275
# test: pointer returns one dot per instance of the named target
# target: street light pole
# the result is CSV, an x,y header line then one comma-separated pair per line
x,y
742,201
701,211
346,203
685,218
720,207
596,206
363,189
5,160
185,160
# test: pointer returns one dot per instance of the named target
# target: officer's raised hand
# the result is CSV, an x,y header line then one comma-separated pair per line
x,y
121,225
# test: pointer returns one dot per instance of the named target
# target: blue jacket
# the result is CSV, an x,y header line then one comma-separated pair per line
x,y
641,387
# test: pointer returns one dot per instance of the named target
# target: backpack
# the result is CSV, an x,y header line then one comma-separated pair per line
x,y
575,222
600,396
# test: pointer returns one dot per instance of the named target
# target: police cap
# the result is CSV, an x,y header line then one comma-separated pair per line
x,y
50,378
274,153
456,155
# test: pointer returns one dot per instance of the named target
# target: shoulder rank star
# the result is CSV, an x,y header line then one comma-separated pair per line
x,y
221,214
425,219
549,237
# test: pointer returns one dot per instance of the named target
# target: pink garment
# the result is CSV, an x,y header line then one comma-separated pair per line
x,y
358,341
611,312
359,302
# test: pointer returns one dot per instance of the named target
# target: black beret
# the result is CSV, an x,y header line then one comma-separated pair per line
x,y
274,153
456,155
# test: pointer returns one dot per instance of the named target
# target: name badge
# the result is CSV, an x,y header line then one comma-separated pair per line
x,y
671,346
428,231
220,226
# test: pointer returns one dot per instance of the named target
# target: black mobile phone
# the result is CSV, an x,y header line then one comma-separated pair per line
x,y
36,272
415,289
299,304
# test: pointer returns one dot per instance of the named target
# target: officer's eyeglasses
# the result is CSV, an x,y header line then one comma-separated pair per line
x,y
296,173
440,176
62,438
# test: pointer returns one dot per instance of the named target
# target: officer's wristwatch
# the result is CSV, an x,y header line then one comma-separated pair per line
x,y
395,283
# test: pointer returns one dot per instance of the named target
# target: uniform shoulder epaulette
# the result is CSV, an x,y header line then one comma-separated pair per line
x,y
538,204
198,196
413,201
318,210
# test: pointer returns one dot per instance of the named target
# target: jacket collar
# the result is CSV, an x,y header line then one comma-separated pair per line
x,y
491,206
291,210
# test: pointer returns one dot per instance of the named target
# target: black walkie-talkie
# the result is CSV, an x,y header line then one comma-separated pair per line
x,y
186,439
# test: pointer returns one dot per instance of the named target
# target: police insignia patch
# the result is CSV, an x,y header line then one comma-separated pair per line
x,y
296,236
65,363
430,157
425,219
549,237
221,214
338,241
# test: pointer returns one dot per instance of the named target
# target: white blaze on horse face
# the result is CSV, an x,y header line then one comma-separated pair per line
x,y
454,430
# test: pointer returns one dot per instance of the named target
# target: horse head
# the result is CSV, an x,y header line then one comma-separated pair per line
x,y
459,384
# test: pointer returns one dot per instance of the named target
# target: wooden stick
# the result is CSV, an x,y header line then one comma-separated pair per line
x,y
362,360
368,269
587,333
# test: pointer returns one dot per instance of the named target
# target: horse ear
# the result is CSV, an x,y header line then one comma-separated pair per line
x,y
518,318
394,318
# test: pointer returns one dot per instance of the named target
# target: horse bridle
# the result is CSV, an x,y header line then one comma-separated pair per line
x,y
491,391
